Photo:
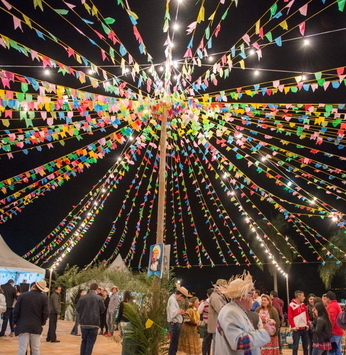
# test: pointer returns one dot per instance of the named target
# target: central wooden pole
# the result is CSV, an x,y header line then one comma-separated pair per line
x,y
160,210
162,178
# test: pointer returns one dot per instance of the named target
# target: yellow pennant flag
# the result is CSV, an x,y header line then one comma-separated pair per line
x,y
257,28
201,14
284,25
212,16
149,323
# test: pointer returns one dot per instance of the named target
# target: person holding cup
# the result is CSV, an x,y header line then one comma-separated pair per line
x,y
269,315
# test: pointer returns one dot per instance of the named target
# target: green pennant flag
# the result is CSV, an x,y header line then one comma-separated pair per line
x,y
269,36
273,10
24,87
61,11
105,28
109,20
341,5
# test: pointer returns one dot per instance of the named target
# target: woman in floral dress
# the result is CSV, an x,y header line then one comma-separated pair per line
x,y
189,340
266,311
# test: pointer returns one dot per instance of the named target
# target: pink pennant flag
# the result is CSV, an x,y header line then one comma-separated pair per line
x,y
17,23
325,85
191,27
256,45
8,6
289,5
246,39
34,55
188,53
314,87
302,28
103,53
71,6
304,10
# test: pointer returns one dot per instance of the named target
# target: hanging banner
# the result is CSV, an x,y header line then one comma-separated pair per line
x,y
155,260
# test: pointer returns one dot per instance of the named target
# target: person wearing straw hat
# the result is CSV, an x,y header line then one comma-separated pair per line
x,y
175,317
235,333
29,316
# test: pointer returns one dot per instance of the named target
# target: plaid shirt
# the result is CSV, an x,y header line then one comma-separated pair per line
x,y
322,346
244,344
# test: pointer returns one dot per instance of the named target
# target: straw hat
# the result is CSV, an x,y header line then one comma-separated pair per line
x,y
221,282
42,286
238,286
183,290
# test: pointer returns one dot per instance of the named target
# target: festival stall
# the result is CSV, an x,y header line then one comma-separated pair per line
x,y
13,266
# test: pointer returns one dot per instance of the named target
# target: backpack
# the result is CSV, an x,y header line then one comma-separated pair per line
x,y
341,320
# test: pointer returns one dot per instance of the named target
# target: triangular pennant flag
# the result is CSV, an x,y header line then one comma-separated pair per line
x,y
149,323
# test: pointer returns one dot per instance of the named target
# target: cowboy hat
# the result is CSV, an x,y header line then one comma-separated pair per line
x,y
42,286
183,290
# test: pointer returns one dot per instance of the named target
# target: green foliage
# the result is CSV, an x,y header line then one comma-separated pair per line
x,y
151,295
331,268
68,279
152,305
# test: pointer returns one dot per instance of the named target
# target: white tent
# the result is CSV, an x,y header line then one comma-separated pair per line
x,y
12,266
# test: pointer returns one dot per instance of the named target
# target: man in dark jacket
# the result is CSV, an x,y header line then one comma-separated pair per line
x,y
10,295
54,314
89,308
29,316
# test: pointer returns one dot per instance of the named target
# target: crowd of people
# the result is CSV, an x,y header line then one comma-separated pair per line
x,y
27,312
235,318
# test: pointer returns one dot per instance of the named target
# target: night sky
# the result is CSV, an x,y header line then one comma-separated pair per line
x,y
233,165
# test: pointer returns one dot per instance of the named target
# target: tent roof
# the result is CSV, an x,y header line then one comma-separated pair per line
x,y
11,261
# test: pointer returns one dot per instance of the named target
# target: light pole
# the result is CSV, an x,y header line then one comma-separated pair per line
x,y
50,280
287,291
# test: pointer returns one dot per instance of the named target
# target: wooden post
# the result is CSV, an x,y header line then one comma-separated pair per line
x,y
161,204
162,178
